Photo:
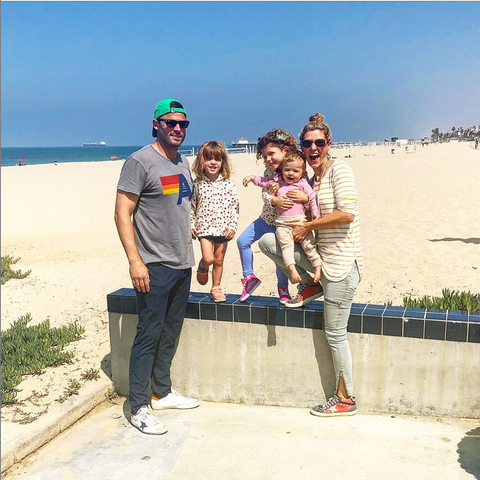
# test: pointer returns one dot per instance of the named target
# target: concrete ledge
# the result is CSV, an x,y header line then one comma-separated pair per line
x,y
252,356
18,442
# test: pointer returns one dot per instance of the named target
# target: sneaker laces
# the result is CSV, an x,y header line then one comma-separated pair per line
x,y
301,288
333,401
145,415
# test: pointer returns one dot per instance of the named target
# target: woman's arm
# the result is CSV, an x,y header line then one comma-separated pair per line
x,y
331,220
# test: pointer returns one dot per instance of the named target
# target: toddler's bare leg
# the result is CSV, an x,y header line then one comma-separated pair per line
x,y
294,276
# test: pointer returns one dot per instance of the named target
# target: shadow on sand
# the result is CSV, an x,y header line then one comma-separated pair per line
x,y
475,241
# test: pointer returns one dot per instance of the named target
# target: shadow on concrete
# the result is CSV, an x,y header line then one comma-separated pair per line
x,y
271,336
475,241
469,452
325,362
126,409
106,365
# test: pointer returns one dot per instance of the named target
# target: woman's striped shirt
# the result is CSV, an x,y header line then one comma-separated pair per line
x,y
340,247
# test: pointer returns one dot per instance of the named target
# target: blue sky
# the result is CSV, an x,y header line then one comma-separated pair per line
x,y
88,71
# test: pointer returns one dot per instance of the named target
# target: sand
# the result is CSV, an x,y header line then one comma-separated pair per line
x,y
419,222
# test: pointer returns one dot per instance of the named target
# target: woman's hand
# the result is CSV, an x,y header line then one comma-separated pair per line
x,y
298,196
282,202
194,233
299,231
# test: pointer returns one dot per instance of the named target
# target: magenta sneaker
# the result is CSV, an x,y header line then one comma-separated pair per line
x,y
284,295
250,284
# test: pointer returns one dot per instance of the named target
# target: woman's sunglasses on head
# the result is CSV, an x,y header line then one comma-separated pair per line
x,y
308,143
173,123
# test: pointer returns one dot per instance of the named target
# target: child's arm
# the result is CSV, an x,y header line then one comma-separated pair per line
x,y
247,180
193,210
312,199
263,182
233,206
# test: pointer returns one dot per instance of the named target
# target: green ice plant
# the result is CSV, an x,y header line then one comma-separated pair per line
x,y
450,300
7,273
29,349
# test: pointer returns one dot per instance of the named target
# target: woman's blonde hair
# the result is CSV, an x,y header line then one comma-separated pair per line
x,y
278,137
316,123
209,150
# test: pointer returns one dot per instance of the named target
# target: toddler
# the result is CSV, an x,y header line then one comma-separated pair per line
x,y
293,177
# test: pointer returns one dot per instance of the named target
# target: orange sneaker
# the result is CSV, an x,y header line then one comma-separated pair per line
x,y
217,294
306,293
336,407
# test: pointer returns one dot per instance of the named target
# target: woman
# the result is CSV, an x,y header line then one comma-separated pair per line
x,y
338,242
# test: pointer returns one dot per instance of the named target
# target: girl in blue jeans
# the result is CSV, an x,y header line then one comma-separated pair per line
x,y
272,148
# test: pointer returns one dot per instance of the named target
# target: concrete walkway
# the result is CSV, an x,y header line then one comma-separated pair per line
x,y
230,442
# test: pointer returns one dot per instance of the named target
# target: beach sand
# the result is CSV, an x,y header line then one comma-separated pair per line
x,y
420,231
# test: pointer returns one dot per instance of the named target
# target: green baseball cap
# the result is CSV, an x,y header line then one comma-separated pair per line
x,y
167,105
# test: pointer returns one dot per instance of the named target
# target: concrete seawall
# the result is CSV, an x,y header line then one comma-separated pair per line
x,y
267,364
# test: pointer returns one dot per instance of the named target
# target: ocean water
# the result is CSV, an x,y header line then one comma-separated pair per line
x,y
41,155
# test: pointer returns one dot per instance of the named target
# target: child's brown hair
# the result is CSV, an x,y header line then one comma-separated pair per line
x,y
278,137
209,150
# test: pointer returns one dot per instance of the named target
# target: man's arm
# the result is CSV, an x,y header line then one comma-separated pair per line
x,y
124,207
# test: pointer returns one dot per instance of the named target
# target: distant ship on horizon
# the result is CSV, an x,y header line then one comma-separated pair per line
x,y
95,144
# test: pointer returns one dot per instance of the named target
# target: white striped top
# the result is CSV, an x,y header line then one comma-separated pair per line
x,y
340,247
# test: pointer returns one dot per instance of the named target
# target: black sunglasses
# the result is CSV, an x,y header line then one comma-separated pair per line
x,y
308,143
173,123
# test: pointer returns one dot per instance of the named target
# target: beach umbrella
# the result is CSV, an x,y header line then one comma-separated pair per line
x,y
113,157
21,159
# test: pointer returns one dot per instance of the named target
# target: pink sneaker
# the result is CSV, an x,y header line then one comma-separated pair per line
x,y
284,295
250,284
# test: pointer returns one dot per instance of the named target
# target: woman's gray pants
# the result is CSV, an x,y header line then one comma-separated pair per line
x,y
337,305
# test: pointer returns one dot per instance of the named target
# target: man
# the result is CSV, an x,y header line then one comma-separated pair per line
x,y
155,187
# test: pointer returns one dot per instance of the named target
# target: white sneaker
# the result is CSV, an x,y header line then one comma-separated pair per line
x,y
147,422
174,400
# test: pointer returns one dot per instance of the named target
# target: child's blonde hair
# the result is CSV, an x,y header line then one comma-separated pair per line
x,y
295,156
278,137
209,150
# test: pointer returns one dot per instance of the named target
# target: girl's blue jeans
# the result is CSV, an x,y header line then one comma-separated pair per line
x,y
249,236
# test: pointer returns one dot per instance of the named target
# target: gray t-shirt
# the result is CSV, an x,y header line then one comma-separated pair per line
x,y
161,219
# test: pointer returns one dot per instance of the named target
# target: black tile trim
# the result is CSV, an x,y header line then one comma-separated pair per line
x,y
453,326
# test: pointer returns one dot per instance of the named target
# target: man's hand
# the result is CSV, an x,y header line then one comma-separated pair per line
x,y
139,276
